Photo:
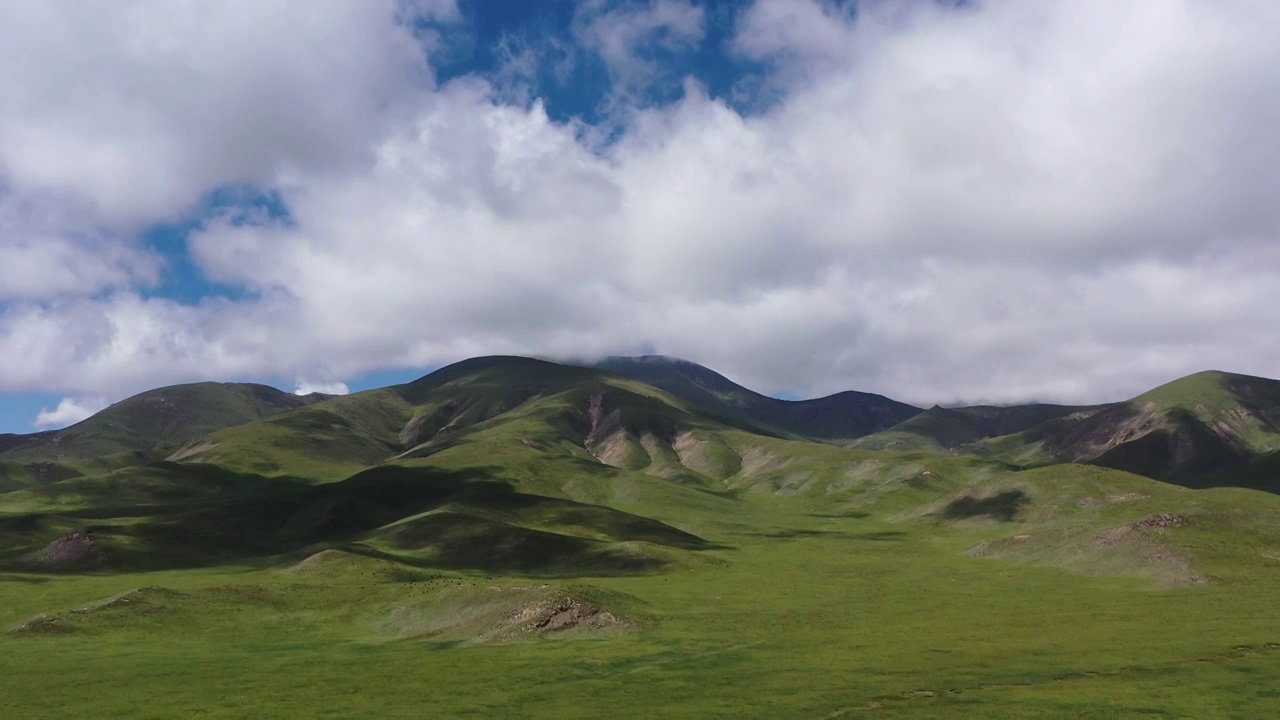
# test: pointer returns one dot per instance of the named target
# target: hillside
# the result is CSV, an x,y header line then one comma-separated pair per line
x,y
943,429
587,413
465,534
834,418
1204,424
156,419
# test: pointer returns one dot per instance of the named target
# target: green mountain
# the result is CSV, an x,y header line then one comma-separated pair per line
x,y
1201,425
834,418
140,428
454,542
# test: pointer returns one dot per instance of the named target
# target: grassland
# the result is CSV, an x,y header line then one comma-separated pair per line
x,y
503,568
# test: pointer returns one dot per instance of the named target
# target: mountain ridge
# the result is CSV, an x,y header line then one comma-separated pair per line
x,y
1198,425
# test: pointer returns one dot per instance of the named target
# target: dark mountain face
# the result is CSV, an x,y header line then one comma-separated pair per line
x,y
1180,431
940,428
840,417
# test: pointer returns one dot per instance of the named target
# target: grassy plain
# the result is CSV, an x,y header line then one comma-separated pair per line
x,y
803,608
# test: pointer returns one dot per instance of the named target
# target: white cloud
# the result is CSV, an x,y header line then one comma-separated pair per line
x,y
69,412
123,115
1065,200
624,35
46,252
331,388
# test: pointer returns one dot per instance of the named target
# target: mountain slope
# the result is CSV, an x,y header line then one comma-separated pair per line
x,y
593,414
1205,423
843,416
156,419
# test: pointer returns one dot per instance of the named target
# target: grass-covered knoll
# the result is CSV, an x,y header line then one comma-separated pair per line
x,y
838,417
161,418
1100,521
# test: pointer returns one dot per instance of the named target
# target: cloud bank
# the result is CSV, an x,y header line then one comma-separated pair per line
x,y
1065,200
68,412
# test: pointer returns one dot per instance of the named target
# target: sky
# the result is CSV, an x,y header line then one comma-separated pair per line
x,y
943,201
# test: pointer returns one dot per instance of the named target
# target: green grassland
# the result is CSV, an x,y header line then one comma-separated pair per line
x,y
518,539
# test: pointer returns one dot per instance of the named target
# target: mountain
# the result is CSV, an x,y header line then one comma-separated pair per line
x,y
1203,424
456,536
944,429
466,456
156,419
585,412
835,418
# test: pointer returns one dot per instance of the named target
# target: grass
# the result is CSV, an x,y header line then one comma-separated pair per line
x,y
800,614
746,575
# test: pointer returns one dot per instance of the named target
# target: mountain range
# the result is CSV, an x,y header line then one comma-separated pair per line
x,y
1193,431
701,534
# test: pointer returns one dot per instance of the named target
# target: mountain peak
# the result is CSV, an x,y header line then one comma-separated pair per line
x,y
843,416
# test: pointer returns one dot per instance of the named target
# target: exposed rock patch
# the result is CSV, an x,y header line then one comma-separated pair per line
x,y
69,552
1159,521
191,451
561,614
693,453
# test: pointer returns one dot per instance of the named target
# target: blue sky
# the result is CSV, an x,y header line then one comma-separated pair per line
x,y
936,200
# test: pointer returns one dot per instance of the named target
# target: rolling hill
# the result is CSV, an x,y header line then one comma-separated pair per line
x,y
140,429
463,535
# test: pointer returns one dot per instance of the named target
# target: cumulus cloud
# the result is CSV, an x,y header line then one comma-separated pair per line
x,y
69,412
1066,200
47,252
330,388
127,115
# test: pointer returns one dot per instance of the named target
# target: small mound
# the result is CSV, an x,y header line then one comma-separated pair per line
x,y
43,625
332,563
563,614
138,602
456,540
1125,551
140,599
474,613
69,552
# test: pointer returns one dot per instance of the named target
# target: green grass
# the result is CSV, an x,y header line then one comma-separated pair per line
x,y
383,555
803,612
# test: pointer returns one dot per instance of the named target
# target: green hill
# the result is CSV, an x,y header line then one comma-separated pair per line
x,y
834,418
142,428
1204,424
588,414
515,537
